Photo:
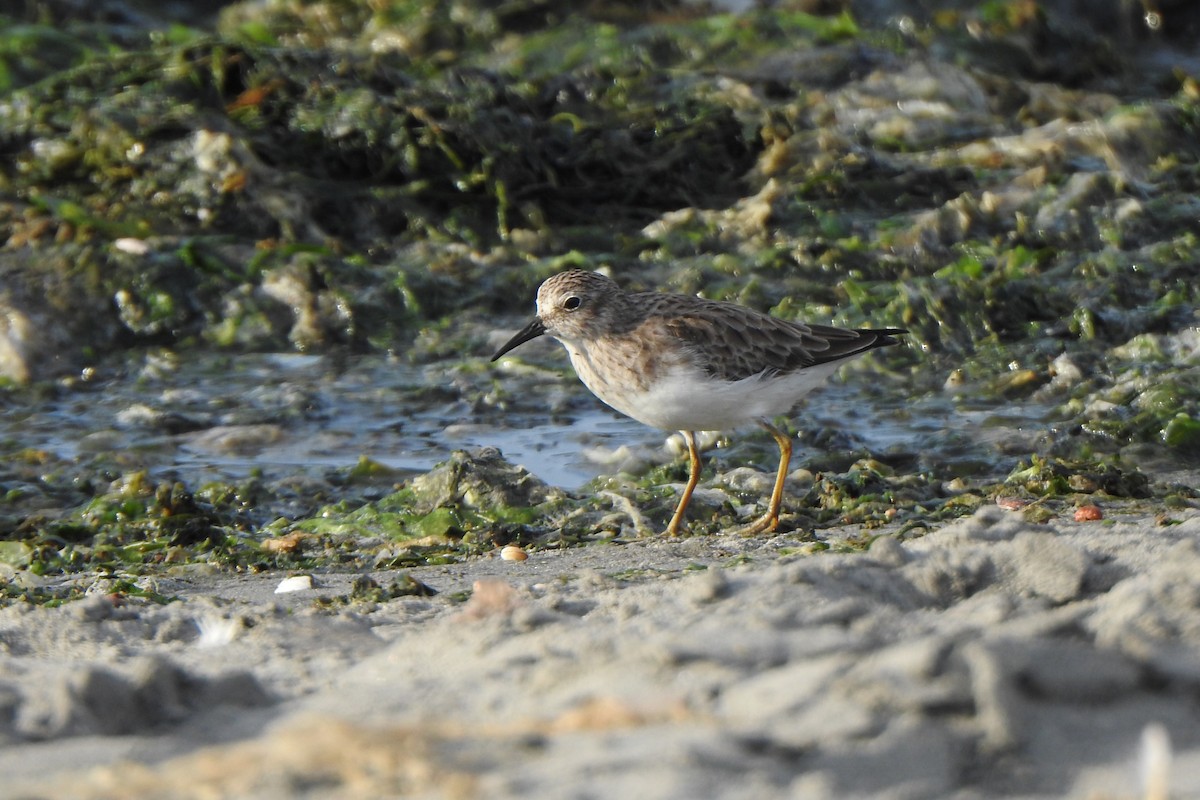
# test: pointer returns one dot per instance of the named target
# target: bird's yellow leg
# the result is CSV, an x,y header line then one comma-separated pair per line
x,y
693,478
770,520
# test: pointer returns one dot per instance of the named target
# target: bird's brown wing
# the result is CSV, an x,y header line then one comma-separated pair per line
x,y
731,342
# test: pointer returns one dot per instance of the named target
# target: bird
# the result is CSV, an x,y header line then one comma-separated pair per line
x,y
684,363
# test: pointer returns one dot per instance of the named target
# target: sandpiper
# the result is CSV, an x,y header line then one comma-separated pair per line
x,y
680,362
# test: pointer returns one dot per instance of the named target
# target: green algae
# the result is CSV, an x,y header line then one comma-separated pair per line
x,y
398,519
30,51
138,527
1047,477
378,158
468,505
706,40
1182,432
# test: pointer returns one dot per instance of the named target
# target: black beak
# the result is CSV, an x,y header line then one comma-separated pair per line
x,y
530,331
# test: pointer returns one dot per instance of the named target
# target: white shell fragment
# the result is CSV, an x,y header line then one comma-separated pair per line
x,y
132,246
296,583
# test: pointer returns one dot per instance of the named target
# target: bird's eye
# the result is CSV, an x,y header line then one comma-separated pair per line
x,y
572,303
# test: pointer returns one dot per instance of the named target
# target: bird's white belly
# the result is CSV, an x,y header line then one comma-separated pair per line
x,y
685,399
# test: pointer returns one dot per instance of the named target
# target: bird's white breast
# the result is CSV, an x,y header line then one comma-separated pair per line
x,y
684,398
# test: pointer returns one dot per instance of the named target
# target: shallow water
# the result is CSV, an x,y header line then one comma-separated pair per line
x,y
222,417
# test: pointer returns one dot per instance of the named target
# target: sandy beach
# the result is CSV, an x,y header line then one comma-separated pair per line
x,y
991,658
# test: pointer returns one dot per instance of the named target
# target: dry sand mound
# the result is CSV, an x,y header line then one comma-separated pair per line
x,y
991,658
